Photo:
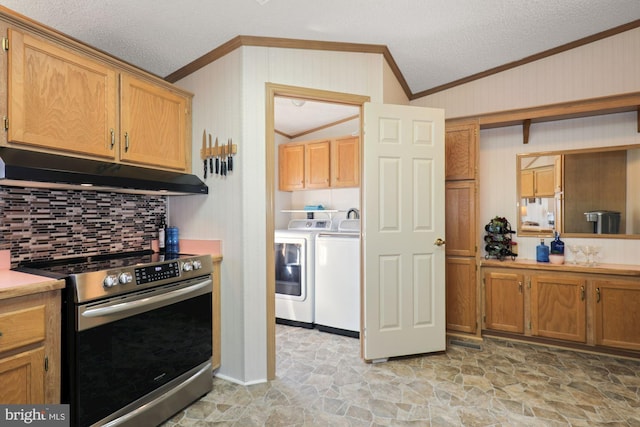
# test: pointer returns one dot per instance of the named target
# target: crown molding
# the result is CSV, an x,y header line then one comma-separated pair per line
x,y
240,41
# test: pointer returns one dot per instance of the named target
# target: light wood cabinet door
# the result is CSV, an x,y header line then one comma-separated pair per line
x,y
316,164
527,184
22,378
291,167
460,227
460,151
461,294
617,314
558,307
538,182
504,301
30,349
153,125
59,100
345,162
545,182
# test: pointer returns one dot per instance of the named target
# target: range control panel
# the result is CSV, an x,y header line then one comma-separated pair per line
x,y
116,281
153,273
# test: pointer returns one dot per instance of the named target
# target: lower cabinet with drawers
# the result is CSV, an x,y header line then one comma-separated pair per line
x,y
30,349
595,308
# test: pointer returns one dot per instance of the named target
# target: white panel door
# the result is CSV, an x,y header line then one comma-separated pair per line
x,y
403,216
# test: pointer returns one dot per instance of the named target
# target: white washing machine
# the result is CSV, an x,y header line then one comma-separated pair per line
x,y
294,262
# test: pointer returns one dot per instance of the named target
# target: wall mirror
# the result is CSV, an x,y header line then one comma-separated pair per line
x,y
580,193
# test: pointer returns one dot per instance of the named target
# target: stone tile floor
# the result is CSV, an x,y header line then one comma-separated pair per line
x,y
321,381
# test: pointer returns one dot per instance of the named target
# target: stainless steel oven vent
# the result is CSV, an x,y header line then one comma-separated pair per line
x,y
26,168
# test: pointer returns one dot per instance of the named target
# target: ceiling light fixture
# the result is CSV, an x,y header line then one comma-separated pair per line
x,y
298,102
261,2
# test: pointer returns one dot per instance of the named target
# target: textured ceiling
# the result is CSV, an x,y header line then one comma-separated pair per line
x,y
433,42
294,117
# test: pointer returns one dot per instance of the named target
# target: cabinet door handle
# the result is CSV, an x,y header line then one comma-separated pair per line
x,y
113,138
520,287
126,142
582,293
597,294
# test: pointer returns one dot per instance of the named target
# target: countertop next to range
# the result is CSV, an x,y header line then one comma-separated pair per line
x,y
16,284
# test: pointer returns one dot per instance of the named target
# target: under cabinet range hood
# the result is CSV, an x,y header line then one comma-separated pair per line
x,y
25,168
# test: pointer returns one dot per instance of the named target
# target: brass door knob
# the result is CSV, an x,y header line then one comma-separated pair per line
x,y
439,242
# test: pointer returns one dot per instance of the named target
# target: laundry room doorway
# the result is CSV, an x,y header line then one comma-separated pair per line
x,y
295,114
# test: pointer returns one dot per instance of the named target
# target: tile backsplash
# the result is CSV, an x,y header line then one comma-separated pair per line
x,y
40,223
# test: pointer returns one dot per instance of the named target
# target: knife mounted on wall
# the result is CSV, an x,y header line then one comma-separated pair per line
x,y
216,152
203,152
210,155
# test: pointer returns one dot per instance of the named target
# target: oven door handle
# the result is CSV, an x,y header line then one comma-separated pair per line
x,y
147,303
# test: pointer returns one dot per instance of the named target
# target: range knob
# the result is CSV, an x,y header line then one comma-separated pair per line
x,y
187,266
125,277
197,265
110,281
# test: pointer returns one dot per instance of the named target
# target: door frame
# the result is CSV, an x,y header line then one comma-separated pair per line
x,y
273,90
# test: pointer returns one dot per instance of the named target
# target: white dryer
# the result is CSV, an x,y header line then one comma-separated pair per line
x,y
337,280
294,262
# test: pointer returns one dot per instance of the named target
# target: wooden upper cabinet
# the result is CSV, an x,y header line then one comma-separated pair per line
x,y
319,164
316,164
291,167
59,100
558,308
617,313
538,182
153,121
345,162
504,301
460,151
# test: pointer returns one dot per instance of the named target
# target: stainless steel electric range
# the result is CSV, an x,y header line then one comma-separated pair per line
x,y
136,335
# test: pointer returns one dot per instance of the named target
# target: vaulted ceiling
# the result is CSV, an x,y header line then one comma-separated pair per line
x,y
433,42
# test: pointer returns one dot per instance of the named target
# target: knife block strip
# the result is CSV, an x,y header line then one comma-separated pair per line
x,y
206,153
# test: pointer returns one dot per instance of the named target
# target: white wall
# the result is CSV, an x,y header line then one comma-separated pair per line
x,y
217,107
393,92
230,100
606,67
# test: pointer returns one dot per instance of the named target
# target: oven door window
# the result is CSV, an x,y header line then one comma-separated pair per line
x,y
121,361
289,269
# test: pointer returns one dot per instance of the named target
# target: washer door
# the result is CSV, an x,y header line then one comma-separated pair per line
x,y
291,268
